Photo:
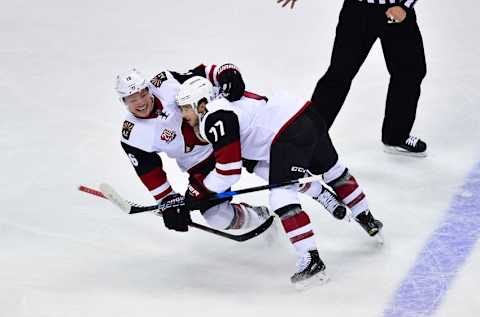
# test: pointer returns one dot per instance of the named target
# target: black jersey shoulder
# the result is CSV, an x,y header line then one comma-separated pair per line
x,y
142,161
222,128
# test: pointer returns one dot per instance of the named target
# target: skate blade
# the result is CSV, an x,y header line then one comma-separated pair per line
x,y
316,280
399,151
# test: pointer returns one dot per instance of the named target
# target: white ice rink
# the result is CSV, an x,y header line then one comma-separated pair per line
x,y
64,253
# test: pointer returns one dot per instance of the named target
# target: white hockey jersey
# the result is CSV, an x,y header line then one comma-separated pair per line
x,y
244,129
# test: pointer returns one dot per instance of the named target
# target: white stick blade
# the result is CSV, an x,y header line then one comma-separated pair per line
x,y
310,179
114,197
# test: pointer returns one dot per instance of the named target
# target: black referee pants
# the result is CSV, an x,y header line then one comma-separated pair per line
x,y
359,26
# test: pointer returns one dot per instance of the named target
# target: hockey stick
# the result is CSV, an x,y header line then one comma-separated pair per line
x,y
133,208
110,194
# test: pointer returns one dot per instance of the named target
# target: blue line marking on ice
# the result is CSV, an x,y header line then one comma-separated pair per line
x,y
425,286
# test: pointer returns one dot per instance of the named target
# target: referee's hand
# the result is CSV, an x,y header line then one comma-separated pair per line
x,y
396,14
286,2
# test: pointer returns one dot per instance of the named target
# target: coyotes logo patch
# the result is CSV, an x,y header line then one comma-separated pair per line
x,y
159,79
168,135
127,129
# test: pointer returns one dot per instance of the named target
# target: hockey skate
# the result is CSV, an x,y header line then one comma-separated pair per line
x,y
412,146
262,211
311,270
248,216
371,225
331,203
271,234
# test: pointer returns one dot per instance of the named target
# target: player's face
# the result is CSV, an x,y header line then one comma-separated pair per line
x,y
140,103
189,115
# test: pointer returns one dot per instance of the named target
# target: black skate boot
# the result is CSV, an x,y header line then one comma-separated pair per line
x,y
330,201
310,269
371,225
412,146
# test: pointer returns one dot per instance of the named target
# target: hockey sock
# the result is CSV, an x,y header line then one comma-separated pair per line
x,y
351,194
299,230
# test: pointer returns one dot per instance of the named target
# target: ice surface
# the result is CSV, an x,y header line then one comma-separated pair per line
x,y
63,253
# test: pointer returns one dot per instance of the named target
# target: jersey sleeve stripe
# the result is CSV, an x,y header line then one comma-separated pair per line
x,y
160,189
229,172
218,183
229,153
163,194
229,166
155,178
211,74
251,95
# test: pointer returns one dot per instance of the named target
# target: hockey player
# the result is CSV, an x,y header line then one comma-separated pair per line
x,y
286,135
154,125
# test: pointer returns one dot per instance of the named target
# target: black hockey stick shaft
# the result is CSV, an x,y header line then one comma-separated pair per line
x,y
227,194
239,238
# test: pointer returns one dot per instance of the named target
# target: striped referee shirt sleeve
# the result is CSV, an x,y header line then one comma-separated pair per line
x,y
409,3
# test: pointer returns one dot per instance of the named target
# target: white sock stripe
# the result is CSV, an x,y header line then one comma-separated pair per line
x,y
359,207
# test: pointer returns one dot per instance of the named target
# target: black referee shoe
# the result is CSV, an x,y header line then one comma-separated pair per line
x,y
412,146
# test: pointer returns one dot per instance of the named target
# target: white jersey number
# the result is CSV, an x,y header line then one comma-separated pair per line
x,y
220,132
133,159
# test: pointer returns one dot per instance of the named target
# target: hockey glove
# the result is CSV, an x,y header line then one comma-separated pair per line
x,y
231,82
175,218
196,190
249,165
197,195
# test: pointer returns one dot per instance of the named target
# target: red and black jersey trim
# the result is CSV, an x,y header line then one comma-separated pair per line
x,y
292,120
251,95
148,166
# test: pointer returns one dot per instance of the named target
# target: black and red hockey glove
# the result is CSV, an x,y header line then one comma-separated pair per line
x,y
231,82
175,218
196,190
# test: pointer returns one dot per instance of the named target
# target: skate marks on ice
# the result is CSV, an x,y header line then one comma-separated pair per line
x,y
424,287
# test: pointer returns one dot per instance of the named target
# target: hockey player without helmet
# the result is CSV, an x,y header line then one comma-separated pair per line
x,y
130,83
193,91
